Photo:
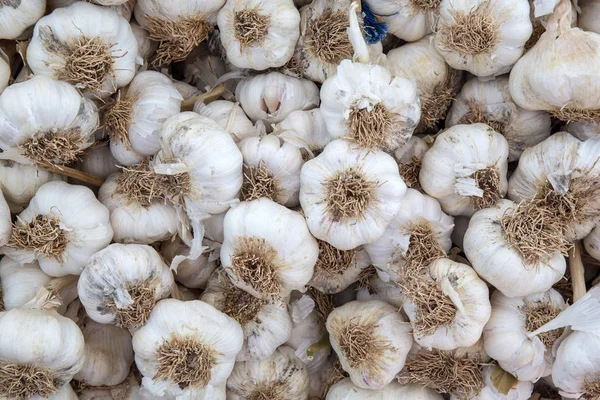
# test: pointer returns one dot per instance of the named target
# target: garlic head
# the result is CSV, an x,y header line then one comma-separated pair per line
x,y
17,16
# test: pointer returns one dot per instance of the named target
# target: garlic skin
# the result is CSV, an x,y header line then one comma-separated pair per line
x,y
146,47
409,158
192,274
521,391
20,283
80,228
280,161
306,130
377,289
346,390
405,18
490,103
135,119
382,329
41,112
128,390
281,376
118,279
134,222
335,270
496,43
99,161
66,29
279,237
588,18
458,159
270,38
271,97
576,363
4,71
583,130
341,166
506,336
501,264
360,94
5,221
229,116
17,16
592,243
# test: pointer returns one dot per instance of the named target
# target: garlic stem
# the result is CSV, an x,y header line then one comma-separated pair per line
x,y
207,97
577,272
75,174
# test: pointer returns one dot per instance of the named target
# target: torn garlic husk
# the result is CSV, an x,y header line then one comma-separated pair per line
x,y
271,169
371,339
192,274
376,289
589,15
367,105
576,370
45,122
20,283
259,34
40,350
466,168
186,350
346,390
282,376
349,195
418,235
122,283
266,323
98,161
5,74
268,249
409,158
271,97
17,16
511,250
146,47
63,226
230,116
86,45
306,130
133,119
484,37
500,385
490,103
506,335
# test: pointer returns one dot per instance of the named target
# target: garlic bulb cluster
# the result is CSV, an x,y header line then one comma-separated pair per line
x,y
409,20
17,16
230,116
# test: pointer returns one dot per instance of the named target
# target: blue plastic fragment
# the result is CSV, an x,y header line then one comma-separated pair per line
x,y
375,31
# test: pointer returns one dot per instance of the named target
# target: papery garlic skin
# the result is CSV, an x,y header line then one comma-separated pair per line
x,y
146,47
191,273
583,130
450,169
173,322
65,27
346,390
592,243
20,283
281,376
501,41
378,289
404,19
576,362
17,16
306,130
267,229
4,71
521,391
275,43
273,96
360,88
128,390
388,334
409,158
374,169
588,18
490,102
229,116
99,161
330,281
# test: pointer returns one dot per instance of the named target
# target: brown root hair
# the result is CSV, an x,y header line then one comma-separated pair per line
x,y
422,6
410,172
323,303
43,235
250,27
424,247
89,63
371,129
256,263
327,37
332,261
568,114
477,114
488,180
176,39
55,148
136,314
259,182
185,361
349,193
436,102
471,33
536,317
117,118
22,381
241,305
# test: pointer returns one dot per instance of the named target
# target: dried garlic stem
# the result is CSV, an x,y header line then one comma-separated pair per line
x,y
577,272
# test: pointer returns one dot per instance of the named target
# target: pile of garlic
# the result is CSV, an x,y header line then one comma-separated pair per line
x,y
299,199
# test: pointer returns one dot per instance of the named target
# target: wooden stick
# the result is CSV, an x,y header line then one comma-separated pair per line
x,y
577,272
75,174
208,97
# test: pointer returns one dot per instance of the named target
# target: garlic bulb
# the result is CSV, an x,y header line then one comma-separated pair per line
x,y
508,249
583,130
377,289
20,283
99,161
592,243
589,15
520,390
273,96
178,27
38,343
490,103
349,195
346,390
371,339
369,106
133,120
122,283
575,370
282,376
268,250
191,273
133,218
271,169
186,349
62,228
86,45
229,116
128,390
17,16
466,169
266,322
335,269
306,130
5,221
506,337
46,122
259,34
5,75
418,234
409,20
409,157
203,69
483,37
146,47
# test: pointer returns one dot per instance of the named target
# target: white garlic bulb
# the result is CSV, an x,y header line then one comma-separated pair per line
x,y
575,370
281,376
213,226
266,322
483,37
510,251
4,71
146,47
133,120
346,390
229,116
128,390
20,283
191,273
466,169
268,250
203,69
122,283
306,130
5,221
371,340
186,349
271,169
583,130
89,46
520,390
409,20
273,96
17,16
490,103
99,161
369,106
589,15
259,34
46,122
506,336
349,195
63,226
37,342
336,269
410,157
592,243
377,289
